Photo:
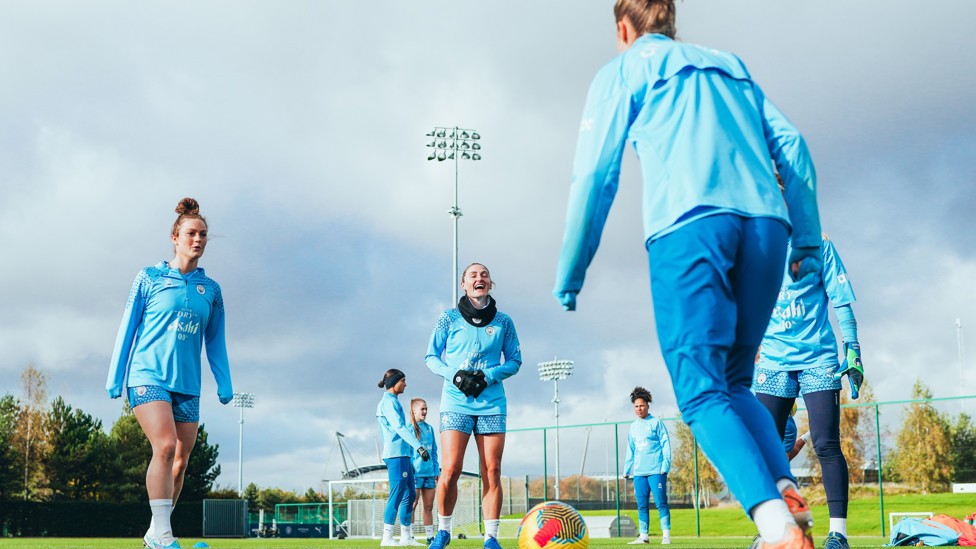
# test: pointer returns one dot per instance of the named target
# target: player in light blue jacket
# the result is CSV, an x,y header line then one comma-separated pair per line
x,y
173,310
648,462
474,347
798,357
399,446
427,472
715,229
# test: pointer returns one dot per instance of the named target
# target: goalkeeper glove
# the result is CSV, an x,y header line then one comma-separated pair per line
x,y
424,454
470,382
852,367
804,261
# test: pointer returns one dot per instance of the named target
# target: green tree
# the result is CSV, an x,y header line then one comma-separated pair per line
x,y
682,475
922,457
311,496
964,449
11,476
130,452
29,438
251,494
75,463
202,469
269,497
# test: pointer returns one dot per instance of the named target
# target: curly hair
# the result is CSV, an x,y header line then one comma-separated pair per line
x,y
640,392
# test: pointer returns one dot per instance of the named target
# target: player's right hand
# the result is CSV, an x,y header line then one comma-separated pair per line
x,y
424,454
805,261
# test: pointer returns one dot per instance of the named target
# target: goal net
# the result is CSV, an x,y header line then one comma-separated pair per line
x,y
366,499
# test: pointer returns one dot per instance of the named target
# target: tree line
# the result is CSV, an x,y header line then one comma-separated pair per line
x,y
54,452
931,449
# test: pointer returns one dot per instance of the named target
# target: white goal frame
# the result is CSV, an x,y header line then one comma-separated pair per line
x,y
365,515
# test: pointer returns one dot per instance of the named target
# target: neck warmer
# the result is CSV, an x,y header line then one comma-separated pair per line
x,y
477,317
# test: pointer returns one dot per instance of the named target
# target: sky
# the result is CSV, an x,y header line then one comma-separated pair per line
x,y
300,128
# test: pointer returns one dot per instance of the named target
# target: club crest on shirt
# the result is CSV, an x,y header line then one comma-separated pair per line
x,y
761,378
200,289
490,330
141,391
404,474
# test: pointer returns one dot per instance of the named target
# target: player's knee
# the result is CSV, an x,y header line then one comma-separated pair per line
x,y
165,450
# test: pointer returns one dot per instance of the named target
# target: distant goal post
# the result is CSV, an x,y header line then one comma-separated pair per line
x,y
365,500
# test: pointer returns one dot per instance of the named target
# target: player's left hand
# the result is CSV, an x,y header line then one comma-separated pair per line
x,y
567,300
852,367
805,261
224,399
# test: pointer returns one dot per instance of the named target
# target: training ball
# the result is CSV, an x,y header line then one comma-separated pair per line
x,y
553,525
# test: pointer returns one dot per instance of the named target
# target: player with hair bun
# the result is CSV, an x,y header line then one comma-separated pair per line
x,y
715,228
399,445
474,347
649,461
174,310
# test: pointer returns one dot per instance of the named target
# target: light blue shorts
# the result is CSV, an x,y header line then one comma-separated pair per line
x,y
426,482
479,425
186,408
796,383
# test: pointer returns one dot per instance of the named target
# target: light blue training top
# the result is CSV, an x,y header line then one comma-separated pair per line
x,y
399,439
457,345
431,467
707,139
168,318
799,335
648,448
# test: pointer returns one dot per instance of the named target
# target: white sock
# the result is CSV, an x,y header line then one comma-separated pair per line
x,y
491,528
405,532
161,510
772,518
784,483
387,531
665,533
839,525
444,523
429,530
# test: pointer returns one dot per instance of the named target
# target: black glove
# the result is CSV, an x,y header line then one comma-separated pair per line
x,y
470,382
424,454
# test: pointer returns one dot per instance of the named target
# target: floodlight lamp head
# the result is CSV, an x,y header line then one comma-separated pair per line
x,y
474,135
555,370
243,400
430,133
465,135
476,157
465,156
442,156
476,146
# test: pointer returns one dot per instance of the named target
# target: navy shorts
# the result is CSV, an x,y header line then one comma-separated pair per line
x,y
186,408
479,425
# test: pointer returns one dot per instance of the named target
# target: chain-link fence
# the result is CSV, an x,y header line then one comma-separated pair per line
x,y
922,445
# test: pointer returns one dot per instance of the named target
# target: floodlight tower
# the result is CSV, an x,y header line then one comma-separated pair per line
x,y
242,400
454,144
555,370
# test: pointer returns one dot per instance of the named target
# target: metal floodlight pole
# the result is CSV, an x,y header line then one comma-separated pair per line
x,y
242,400
459,144
555,370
